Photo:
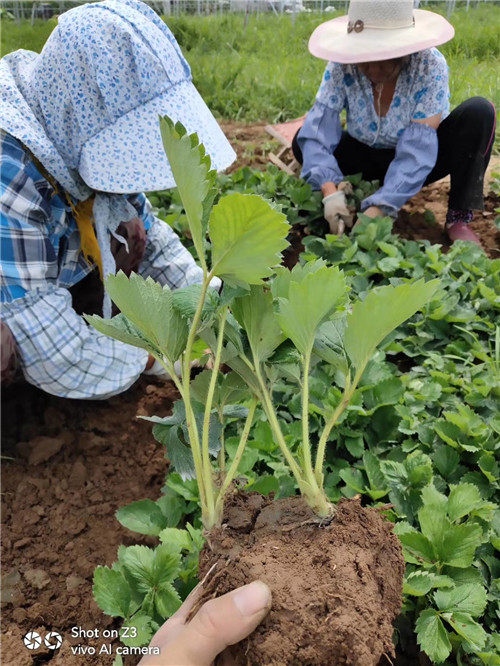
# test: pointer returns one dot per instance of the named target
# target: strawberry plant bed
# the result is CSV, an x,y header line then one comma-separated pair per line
x,y
336,586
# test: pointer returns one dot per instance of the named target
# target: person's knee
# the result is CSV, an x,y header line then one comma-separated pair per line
x,y
297,153
479,111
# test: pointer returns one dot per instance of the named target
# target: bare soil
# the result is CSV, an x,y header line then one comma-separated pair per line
x,y
336,587
67,466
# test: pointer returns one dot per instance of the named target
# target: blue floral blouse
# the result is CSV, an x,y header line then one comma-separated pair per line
x,y
421,92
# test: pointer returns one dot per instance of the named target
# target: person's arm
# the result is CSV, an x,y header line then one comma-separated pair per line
x,y
62,355
321,133
416,154
417,147
318,138
57,351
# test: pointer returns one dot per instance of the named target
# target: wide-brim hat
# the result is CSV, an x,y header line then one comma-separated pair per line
x,y
379,30
128,156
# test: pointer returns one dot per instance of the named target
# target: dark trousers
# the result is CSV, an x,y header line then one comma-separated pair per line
x,y
465,140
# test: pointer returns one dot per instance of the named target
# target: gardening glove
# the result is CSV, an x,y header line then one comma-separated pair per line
x,y
220,622
157,370
336,212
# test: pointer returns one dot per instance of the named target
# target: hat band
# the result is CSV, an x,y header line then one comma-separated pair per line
x,y
359,26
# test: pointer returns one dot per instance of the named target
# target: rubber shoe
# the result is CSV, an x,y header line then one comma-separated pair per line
x,y
462,231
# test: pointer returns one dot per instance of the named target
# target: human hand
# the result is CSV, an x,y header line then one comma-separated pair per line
x,y
373,211
336,212
219,622
155,369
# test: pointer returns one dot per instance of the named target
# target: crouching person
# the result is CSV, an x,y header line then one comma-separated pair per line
x,y
80,143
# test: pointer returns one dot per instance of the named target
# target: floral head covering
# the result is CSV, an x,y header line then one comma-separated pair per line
x,y
87,107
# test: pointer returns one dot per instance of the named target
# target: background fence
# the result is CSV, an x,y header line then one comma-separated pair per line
x,y
35,9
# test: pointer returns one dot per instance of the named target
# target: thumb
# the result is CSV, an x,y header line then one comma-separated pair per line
x,y
219,623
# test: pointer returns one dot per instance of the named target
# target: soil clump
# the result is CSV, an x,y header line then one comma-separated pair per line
x,y
336,586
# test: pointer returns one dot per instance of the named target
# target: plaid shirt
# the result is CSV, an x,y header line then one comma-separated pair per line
x,y
41,259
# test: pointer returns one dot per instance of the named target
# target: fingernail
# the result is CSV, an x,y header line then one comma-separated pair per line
x,y
252,598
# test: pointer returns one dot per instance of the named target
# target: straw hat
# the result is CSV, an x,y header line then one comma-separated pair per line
x,y
379,30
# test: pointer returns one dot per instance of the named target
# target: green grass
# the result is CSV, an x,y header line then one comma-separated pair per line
x,y
263,71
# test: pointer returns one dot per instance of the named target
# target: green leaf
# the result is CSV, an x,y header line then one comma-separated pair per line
x,y
111,592
467,598
176,539
383,310
143,516
138,562
329,342
419,583
194,179
254,312
466,627
167,600
459,544
489,467
309,303
417,548
373,472
462,500
432,636
149,307
446,459
120,328
353,478
186,299
247,237
166,564
137,631
172,506
264,485
180,455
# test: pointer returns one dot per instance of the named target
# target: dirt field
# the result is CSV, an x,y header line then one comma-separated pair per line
x,y
69,465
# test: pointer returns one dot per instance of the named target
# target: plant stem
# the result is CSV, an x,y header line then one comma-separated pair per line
x,y
306,446
275,426
170,368
190,417
207,466
231,473
222,452
346,397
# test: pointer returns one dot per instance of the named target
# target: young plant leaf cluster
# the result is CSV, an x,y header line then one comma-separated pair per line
x,y
247,236
247,325
145,585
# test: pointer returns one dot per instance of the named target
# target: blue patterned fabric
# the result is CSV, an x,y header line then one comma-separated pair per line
x,y
41,259
421,92
87,107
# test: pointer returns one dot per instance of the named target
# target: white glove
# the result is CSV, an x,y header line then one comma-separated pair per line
x,y
157,370
336,212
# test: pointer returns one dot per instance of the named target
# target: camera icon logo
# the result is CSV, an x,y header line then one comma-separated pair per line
x,y
53,640
32,640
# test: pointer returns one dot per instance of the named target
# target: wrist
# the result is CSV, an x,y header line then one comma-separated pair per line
x,y
328,188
